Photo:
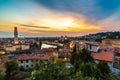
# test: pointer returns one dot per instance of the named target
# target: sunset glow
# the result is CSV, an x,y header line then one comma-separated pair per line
x,y
43,19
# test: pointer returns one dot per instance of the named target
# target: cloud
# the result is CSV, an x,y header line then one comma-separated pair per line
x,y
111,23
33,26
70,17
88,8
86,28
38,30
94,10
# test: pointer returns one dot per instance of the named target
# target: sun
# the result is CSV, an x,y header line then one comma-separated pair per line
x,y
65,22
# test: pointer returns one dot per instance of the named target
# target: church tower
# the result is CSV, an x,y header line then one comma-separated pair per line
x,y
15,35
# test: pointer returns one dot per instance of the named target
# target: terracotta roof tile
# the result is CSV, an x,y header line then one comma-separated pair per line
x,y
105,56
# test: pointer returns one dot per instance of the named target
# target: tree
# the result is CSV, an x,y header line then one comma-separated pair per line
x,y
28,79
78,57
78,76
48,70
104,69
21,75
2,76
85,55
88,70
73,55
114,76
11,69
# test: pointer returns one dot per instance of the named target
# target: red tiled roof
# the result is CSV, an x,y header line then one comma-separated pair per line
x,y
92,43
49,54
105,56
28,57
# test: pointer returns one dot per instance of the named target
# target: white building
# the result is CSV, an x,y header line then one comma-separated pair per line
x,y
28,60
48,46
92,46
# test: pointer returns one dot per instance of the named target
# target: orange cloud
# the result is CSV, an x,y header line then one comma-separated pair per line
x,y
84,29
62,22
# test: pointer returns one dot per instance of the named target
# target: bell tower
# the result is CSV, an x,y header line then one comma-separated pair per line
x,y
15,35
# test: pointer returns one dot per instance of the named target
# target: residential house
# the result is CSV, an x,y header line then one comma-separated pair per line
x,y
116,63
28,60
105,56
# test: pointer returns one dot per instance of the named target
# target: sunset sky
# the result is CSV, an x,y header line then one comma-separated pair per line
x,y
58,17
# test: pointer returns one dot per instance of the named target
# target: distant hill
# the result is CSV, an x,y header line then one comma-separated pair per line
x,y
100,36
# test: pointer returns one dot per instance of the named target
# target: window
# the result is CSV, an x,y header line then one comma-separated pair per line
x,y
21,68
105,50
27,61
36,60
31,65
118,61
27,66
31,60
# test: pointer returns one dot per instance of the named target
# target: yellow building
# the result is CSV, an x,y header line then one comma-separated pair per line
x,y
2,52
71,44
15,47
113,42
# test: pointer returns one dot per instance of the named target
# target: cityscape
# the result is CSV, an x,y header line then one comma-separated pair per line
x,y
59,40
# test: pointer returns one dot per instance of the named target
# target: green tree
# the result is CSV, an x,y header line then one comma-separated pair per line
x,y
11,69
28,79
73,55
88,70
104,70
48,70
85,55
21,75
2,76
78,57
78,76
114,76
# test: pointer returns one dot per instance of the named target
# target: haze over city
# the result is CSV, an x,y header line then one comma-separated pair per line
x,y
58,17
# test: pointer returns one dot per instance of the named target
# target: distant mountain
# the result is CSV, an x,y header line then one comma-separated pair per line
x,y
100,36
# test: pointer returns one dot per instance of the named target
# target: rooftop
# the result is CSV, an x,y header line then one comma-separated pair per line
x,y
104,56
